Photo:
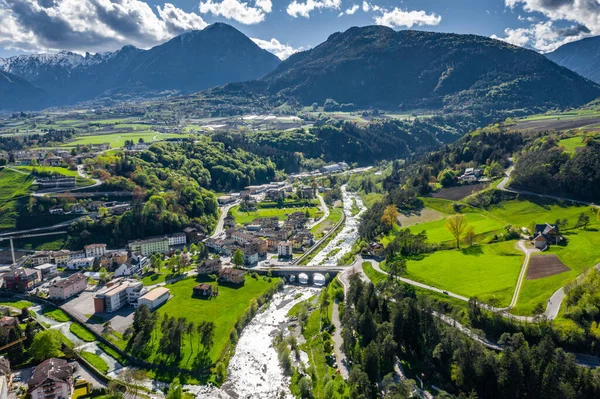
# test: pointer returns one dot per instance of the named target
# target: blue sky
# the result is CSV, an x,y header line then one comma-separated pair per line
x,y
282,26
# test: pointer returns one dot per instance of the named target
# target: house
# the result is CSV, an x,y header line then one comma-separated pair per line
x,y
210,266
40,258
80,263
117,294
193,234
225,199
220,246
203,290
284,249
177,239
5,377
52,379
272,244
94,250
471,175
302,238
267,222
150,246
67,288
77,208
153,299
8,323
233,276
56,210
77,255
250,256
240,236
58,181
47,271
22,279
126,269
229,221
62,257
545,235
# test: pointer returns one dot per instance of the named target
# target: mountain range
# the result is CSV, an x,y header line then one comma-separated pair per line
x,y
582,56
376,65
193,61
363,66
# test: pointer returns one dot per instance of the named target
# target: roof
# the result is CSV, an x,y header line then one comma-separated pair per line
x,y
58,370
155,293
72,279
92,246
149,240
45,266
231,271
203,287
21,272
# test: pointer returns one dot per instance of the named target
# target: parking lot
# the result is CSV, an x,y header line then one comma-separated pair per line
x,y
82,305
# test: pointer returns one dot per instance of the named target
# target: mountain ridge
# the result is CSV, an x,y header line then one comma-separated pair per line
x,y
581,56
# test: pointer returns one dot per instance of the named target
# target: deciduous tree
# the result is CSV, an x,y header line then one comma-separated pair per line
x,y
456,225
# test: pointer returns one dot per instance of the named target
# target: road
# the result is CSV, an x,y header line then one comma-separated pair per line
x,y
53,227
527,252
220,229
325,210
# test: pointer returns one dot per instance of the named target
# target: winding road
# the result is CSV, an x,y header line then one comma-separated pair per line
x,y
324,209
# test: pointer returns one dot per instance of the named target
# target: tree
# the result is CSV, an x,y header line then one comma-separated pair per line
x,y
456,225
446,178
396,268
103,274
470,235
46,344
175,390
390,215
238,258
582,221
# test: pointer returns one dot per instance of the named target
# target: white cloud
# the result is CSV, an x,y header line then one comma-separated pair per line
x,y
352,10
239,11
543,36
398,18
90,25
366,7
582,18
281,50
296,9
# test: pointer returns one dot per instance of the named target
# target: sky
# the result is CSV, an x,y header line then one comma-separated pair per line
x,y
282,26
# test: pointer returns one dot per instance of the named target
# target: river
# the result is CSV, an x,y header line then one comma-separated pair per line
x,y
346,237
254,370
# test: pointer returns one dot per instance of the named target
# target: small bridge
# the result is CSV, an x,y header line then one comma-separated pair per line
x,y
292,274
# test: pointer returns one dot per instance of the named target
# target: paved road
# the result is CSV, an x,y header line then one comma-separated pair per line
x,y
53,227
220,229
325,210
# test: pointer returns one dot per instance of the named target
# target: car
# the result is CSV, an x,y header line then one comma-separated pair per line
x,y
445,292
17,378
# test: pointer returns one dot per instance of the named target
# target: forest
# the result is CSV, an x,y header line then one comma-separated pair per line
x,y
391,325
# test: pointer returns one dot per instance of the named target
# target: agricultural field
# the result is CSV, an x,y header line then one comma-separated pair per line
x,y
14,190
117,140
224,310
488,272
578,255
247,217
335,215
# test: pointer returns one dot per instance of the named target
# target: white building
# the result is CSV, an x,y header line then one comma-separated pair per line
x,y
154,298
118,294
95,250
65,289
47,271
285,248
80,263
150,246
177,239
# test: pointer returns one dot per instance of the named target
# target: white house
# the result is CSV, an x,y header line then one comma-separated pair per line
x,y
284,248
154,298
53,378
65,289
177,239
80,263
95,250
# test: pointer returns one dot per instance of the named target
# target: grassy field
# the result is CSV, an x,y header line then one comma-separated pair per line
x,y
224,310
13,303
81,332
56,314
488,272
95,361
80,181
248,217
117,140
437,231
14,190
572,143
580,254
335,215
